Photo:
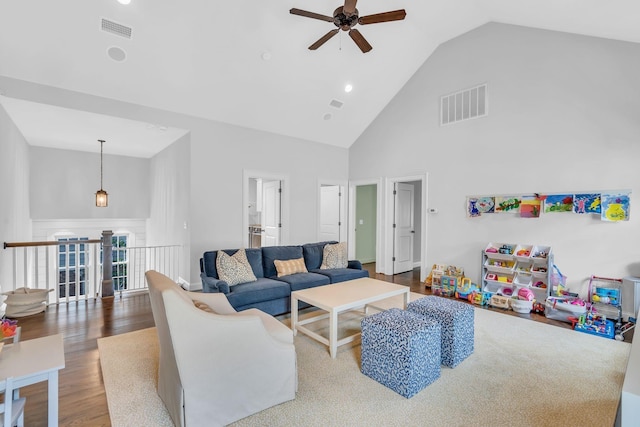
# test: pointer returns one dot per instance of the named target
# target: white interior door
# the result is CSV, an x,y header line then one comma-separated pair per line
x,y
404,230
271,213
330,212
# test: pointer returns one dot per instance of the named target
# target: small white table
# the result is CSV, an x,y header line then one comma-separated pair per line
x,y
339,298
32,361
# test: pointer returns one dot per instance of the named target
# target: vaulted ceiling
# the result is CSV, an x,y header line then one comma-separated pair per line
x,y
246,63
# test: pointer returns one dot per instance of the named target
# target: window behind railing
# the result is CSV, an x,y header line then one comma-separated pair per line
x,y
73,263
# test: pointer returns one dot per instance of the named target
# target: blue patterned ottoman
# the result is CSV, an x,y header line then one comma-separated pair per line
x,y
401,350
456,319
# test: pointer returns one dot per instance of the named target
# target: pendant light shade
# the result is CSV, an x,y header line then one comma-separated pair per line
x,y
102,198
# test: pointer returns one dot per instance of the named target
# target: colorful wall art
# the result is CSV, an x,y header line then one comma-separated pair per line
x,y
610,206
507,204
530,207
586,203
615,207
558,203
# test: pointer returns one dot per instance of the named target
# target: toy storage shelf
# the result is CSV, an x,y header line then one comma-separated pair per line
x,y
508,267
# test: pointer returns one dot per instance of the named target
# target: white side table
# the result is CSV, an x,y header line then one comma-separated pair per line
x,y
32,361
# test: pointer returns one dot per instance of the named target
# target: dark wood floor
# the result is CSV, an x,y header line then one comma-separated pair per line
x,y
82,397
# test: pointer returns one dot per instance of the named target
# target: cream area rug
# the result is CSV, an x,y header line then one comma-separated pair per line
x,y
522,373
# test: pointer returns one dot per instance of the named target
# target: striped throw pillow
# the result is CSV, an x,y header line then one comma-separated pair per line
x,y
292,266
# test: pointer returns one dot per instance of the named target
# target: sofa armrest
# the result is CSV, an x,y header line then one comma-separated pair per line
x,y
355,264
209,284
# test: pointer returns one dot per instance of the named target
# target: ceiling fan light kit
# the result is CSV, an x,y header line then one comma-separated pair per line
x,y
345,18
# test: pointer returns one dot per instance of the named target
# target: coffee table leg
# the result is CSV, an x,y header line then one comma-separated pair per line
x,y
333,333
294,314
406,299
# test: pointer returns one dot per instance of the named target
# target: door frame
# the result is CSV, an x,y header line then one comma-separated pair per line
x,y
378,182
343,199
284,203
387,227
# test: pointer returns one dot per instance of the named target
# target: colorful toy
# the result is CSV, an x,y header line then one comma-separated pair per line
x,y
479,298
447,286
594,324
465,287
525,294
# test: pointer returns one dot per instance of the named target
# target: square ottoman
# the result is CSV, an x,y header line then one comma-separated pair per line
x,y
401,350
456,319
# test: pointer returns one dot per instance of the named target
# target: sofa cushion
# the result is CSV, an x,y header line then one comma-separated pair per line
x,y
262,289
337,275
272,253
292,266
208,261
335,256
234,269
313,254
305,280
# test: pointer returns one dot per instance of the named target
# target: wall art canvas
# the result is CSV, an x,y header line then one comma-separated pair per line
x,y
615,207
486,204
586,204
558,203
509,204
530,207
472,207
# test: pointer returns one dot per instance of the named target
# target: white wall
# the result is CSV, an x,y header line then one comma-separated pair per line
x,y
63,184
170,199
563,117
15,225
219,154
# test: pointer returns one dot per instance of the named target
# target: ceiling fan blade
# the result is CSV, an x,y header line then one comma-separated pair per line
x,y
306,14
360,41
322,40
395,15
349,7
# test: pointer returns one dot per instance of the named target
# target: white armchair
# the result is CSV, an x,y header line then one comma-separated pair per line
x,y
220,366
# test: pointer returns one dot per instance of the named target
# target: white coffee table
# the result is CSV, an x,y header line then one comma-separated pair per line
x,y
339,298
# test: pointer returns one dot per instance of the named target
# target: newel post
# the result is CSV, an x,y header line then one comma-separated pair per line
x,y
107,279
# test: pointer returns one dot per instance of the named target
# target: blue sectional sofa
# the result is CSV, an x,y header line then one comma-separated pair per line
x,y
270,293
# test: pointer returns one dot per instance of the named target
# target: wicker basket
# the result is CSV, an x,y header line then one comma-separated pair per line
x,y
25,301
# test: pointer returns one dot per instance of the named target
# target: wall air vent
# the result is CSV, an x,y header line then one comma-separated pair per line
x,y
464,105
336,104
115,28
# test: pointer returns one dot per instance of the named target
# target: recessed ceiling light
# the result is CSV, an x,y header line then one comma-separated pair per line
x,y
348,88
327,116
266,56
124,1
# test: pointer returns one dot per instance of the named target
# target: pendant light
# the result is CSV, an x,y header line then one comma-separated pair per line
x,y
102,198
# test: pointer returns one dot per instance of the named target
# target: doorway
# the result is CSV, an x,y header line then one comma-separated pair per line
x,y
405,225
364,227
265,209
331,213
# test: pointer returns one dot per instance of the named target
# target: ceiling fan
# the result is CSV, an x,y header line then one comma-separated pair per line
x,y
345,18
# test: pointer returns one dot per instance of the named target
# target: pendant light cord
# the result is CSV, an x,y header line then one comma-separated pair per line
x,y
101,143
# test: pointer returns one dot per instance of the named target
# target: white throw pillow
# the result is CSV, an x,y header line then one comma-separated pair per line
x,y
234,269
334,256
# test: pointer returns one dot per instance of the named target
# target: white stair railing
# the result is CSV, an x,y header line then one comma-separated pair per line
x,y
39,265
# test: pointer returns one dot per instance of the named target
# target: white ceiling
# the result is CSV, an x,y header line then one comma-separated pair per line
x,y
205,58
